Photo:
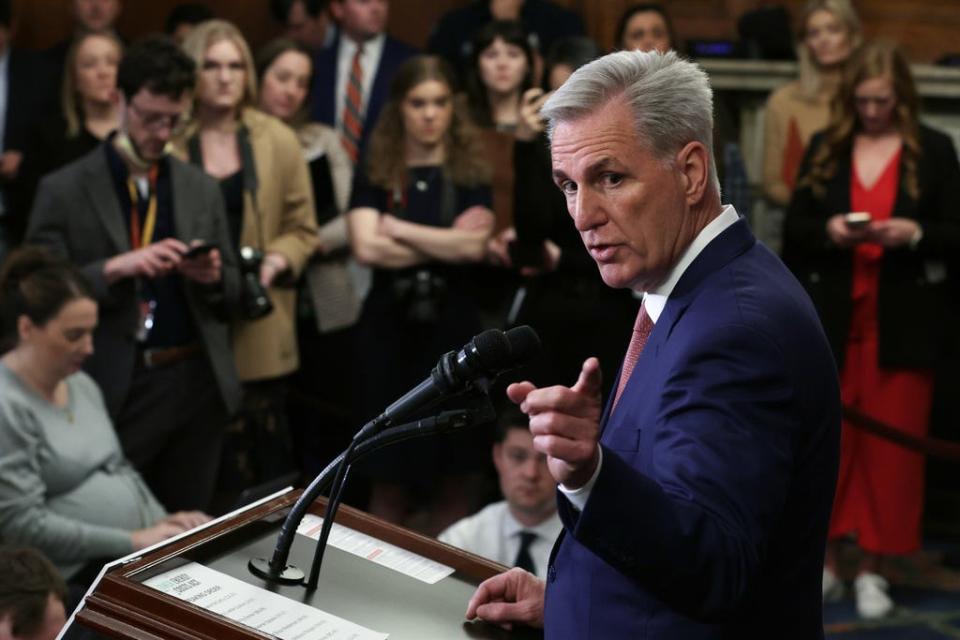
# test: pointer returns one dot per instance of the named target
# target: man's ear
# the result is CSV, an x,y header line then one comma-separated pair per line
x,y
25,327
693,163
336,10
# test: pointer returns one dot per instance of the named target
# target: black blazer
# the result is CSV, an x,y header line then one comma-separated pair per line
x,y
77,215
913,282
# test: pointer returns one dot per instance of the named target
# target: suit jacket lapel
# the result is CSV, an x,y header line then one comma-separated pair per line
x,y
325,83
99,189
732,242
183,222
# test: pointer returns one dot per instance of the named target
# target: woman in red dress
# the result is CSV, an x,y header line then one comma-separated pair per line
x,y
867,232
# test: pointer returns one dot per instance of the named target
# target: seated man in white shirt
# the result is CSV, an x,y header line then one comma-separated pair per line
x,y
521,529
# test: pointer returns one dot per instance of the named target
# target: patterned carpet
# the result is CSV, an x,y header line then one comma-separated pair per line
x,y
926,590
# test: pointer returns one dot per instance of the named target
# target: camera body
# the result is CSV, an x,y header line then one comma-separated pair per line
x,y
253,296
421,296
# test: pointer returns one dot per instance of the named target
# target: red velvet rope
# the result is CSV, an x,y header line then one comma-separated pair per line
x,y
927,446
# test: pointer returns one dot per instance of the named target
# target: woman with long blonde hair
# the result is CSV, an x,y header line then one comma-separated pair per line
x,y
270,213
89,105
868,231
830,31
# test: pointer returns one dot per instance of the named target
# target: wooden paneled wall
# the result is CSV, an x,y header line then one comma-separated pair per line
x,y
927,29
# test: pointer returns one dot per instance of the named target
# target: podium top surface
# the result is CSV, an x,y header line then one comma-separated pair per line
x,y
354,588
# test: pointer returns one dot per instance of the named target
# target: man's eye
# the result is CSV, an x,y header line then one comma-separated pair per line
x,y
612,179
568,187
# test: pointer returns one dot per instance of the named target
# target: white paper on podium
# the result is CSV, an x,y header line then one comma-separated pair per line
x,y
388,555
254,607
137,554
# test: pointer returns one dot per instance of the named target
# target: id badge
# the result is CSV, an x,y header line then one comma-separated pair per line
x,y
147,310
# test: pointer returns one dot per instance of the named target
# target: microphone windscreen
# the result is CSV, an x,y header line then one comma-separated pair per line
x,y
524,343
493,349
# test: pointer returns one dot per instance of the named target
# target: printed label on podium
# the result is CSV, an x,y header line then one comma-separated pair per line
x,y
254,607
390,556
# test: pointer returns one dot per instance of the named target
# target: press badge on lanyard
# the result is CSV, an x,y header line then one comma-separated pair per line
x,y
140,238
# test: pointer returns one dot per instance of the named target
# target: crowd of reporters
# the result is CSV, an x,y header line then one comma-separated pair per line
x,y
252,254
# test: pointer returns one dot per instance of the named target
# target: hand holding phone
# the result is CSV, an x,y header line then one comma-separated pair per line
x,y
201,263
857,219
199,249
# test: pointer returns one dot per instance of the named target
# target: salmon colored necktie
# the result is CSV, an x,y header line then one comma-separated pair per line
x,y
642,329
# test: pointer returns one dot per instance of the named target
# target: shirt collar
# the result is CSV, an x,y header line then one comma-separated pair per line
x,y
546,529
654,301
119,170
370,47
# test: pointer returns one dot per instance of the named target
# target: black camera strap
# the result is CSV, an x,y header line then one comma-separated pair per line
x,y
251,181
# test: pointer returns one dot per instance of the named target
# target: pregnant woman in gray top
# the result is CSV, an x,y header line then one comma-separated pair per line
x,y
65,486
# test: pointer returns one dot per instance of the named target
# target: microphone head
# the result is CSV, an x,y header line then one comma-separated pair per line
x,y
492,349
524,344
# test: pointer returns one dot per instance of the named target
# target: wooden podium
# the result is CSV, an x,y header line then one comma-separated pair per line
x,y
351,587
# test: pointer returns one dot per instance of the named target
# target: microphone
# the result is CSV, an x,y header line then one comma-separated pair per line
x,y
486,356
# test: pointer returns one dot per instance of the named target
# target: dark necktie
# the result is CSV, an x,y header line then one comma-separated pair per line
x,y
642,329
524,559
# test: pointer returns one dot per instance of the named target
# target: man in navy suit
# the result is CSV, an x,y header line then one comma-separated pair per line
x,y
362,25
696,504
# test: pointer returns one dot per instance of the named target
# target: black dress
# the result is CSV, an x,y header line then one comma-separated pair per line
x,y
410,318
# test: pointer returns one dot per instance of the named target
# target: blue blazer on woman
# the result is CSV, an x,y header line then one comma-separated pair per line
x,y
709,517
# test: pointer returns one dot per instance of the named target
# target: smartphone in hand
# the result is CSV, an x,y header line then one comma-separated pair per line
x,y
198,250
857,219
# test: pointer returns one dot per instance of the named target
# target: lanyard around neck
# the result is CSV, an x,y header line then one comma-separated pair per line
x,y
143,238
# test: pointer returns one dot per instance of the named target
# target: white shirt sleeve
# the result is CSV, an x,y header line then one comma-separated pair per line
x,y
578,497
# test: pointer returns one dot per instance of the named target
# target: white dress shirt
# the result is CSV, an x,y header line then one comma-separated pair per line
x,y
654,302
369,62
494,533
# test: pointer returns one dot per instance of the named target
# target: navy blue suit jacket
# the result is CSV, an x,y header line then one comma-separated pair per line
x,y
709,516
324,94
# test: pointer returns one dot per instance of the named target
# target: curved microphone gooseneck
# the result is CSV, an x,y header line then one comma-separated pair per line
x,y
473,368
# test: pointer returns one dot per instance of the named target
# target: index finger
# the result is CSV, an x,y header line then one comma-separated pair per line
x,y
174,244
539,102
583,395
531,95
590,380
559,399
490,590
166,254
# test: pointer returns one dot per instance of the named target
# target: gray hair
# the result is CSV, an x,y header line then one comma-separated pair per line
x,y
670,98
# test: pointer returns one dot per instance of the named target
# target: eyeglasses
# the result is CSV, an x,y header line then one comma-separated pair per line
x,y
155,121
